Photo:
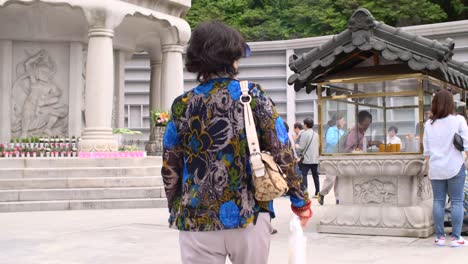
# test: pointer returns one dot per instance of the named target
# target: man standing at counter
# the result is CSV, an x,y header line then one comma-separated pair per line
x,y
355,138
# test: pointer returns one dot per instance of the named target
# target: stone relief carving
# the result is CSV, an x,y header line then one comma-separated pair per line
x,y
375,191
37,107
424,188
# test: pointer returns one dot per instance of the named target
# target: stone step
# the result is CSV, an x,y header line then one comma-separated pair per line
x,y
78,172
78,162
80,194
82,204
88,182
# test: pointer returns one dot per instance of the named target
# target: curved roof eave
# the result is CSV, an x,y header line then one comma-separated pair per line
x,y
366,34
117,10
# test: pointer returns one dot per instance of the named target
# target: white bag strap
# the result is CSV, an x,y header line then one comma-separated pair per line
x,y
252,139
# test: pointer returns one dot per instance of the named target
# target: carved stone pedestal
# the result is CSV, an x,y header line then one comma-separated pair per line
x,y
155,144
379,195
99,140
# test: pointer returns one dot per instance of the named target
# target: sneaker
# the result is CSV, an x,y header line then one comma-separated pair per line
x,y
315,197
320,198
458,242
274,231
440,241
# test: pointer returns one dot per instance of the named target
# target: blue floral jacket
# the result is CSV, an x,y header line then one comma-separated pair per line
x,y
206,172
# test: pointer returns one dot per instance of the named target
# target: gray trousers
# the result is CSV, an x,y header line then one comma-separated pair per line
x,y
330,182
243,245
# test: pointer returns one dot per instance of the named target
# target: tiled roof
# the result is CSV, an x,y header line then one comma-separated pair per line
x,y
367,36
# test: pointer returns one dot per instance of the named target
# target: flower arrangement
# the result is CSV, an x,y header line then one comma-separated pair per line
x,y
160,118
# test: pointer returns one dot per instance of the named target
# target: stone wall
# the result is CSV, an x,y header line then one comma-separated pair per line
x,y
268,65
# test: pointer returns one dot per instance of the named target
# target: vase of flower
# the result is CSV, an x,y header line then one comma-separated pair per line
x,y
159,121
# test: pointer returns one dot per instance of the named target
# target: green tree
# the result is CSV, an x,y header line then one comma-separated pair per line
x,y
261,20
455,9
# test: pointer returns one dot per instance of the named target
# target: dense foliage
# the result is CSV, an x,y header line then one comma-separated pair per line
x,y
286,19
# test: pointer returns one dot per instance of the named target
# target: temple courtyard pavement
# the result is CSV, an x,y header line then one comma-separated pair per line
x,y
141,236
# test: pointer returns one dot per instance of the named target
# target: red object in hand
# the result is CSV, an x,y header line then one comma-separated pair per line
x,y
299,210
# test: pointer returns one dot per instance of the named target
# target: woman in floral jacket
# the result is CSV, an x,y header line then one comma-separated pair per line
x,y
206,170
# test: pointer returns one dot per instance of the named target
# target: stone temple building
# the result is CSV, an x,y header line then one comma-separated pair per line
x,y
62,73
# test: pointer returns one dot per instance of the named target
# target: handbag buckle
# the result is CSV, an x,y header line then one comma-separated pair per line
x,y
257,165
246,98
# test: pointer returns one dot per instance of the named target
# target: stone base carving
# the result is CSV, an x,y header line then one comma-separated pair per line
x,y
411,221
379,195
98,140
374,191
155,144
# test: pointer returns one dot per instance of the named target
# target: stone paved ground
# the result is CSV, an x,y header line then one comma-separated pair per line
x,y
141,236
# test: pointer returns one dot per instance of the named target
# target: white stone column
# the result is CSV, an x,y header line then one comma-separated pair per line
x,y
119,93
172,84
290,94
6,84
97,135
155,85
75,92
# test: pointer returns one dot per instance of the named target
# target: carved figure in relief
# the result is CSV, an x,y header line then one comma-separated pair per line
x,y
424,189
375,191
36,98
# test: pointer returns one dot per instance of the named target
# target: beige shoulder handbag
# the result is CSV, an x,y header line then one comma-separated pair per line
x,y
268,178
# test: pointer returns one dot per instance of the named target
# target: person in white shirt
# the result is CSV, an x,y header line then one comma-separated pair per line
x,y
392,137
446,164
308,147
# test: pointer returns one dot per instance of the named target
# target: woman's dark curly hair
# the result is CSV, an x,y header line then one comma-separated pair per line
x,y
212,50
